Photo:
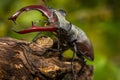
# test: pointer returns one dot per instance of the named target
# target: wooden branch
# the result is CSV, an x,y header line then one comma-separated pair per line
x,y
21,60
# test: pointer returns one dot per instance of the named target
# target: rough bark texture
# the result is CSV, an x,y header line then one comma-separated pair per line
x,y
21,60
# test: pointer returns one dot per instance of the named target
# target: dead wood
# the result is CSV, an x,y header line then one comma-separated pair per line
x,y
21,60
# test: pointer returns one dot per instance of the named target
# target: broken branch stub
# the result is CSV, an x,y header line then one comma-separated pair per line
x,y
21,60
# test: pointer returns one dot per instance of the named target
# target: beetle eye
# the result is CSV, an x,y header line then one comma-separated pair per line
x,y
62,12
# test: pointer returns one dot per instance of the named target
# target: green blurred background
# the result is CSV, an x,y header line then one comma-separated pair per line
x,y
100,19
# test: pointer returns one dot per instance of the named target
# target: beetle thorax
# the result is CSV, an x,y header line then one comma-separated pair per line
x,y
62,22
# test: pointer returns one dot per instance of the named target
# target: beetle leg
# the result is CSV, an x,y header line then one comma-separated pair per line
x,y
82,65
72,62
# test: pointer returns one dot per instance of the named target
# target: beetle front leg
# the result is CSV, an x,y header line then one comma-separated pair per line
x,y
72,62
81,60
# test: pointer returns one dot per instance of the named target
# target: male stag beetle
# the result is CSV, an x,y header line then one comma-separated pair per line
x,y
75,38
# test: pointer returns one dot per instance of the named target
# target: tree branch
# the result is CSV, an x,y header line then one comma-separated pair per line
x,y
21,60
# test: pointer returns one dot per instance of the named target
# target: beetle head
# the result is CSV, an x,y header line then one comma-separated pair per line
x,y
56,18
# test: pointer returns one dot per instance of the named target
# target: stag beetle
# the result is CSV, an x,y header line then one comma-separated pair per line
x,y
75,37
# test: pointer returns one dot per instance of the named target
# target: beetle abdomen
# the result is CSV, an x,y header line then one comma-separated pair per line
x,y
85,49
84,46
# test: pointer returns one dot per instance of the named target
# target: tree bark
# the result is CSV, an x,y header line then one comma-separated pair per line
x,y
22,60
